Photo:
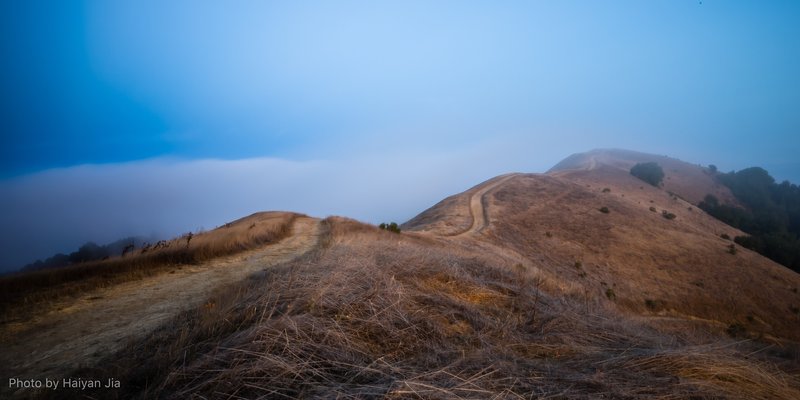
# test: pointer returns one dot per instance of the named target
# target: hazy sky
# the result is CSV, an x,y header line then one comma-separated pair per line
x,y
139,117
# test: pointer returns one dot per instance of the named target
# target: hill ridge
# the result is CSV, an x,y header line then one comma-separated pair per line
x,y
571,283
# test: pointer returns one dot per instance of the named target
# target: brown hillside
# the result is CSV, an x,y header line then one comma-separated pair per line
x,y
517,288
373,314
660,268
689,181
655,266
453,215
23,292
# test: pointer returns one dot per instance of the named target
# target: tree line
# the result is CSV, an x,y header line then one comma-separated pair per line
x,y
89,251
771,216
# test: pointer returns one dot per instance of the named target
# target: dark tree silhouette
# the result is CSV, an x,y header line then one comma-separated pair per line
x,y
771,216
649,172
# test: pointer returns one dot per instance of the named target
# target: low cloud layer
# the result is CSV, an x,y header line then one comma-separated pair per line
x,y
58,210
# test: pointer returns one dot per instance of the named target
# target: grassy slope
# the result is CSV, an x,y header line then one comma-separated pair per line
x,y
26,293
692,182
654,266
503,314
375,314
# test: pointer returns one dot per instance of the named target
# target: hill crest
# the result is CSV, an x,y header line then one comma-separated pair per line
x,y
689,181
570,284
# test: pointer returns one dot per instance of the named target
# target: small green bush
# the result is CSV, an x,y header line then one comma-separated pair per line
x,y
725,236
655,305
668,215
610,294
606,190
604,210
732,249
653,209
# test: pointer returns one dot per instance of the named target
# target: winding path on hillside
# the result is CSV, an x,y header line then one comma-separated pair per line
x,y
592,163
477,208
589,164
102,321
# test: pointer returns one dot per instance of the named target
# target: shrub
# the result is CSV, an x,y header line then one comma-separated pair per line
x,y
654,305
732,249
610,294
649,172
391,227
725,236
668,215
606,190
577,264
604,210
653,209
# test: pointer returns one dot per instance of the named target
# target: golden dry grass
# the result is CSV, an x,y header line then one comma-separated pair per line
x,y
551,299
654,266
372,314
28,292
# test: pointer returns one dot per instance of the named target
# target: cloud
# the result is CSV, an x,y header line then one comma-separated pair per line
x,y
58,210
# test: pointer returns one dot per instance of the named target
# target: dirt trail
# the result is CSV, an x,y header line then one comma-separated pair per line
x,y
476,207
592,163
103,320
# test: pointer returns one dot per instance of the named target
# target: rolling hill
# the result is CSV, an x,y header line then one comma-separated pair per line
x,y
520,287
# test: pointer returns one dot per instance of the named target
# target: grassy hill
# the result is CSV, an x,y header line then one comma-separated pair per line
x,y
517,288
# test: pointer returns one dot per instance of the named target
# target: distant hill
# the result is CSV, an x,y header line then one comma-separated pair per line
x,y
689,181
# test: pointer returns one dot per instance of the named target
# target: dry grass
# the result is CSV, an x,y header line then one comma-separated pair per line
x,y
681,264
450,216
717,369
691,182
520,310
24,293
372,314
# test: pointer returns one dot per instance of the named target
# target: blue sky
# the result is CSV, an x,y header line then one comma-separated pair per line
x,y
470,89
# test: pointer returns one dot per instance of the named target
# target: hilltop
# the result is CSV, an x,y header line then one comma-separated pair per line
x,y
691,182
518,287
